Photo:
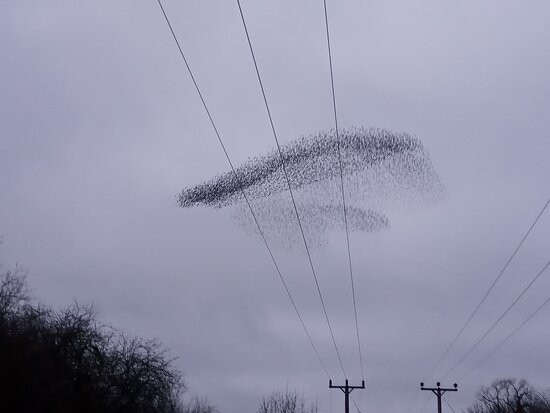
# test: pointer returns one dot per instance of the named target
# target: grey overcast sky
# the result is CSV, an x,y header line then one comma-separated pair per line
x,y
101,128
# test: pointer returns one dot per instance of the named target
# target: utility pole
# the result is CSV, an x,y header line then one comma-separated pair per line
x,y
438,391
347,389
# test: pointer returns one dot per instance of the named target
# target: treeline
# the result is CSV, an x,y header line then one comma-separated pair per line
x,y
66,361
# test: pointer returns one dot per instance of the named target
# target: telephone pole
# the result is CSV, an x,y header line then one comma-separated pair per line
x,y
438,391
347,389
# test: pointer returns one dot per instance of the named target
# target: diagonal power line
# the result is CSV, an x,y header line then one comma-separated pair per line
x,y
448,404
342,188
239,182
283,166
498,320
486,294
507,338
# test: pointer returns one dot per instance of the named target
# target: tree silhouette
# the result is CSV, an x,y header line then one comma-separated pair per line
x,y
14,292
199,405
66,361
286,402
510,396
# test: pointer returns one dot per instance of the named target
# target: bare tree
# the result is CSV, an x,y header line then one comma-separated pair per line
x,y
14,292
199,405
286,402
141,376
66,361
510,396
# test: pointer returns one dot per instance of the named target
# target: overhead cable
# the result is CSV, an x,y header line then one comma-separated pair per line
x,y
448,404
342,189
283,167
239,182
498,320
486,294
506,339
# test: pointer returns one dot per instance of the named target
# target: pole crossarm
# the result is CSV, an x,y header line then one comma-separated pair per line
x,y
346,389
346,386
439,392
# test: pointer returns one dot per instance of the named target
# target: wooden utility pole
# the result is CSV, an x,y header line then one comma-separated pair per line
x,y
347,389
438,391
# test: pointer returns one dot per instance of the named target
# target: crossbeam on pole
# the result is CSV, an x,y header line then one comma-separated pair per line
x,y
346,389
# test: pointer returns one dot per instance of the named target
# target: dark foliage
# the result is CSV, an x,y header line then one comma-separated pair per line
x,y
510,396
66,361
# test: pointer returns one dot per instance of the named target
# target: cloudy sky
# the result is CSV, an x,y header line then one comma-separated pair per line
x,y
101,128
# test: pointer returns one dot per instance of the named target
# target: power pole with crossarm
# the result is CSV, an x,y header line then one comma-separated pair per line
x,y
347,389
438,391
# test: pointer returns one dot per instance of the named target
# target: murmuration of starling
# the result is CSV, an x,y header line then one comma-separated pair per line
x,y
381,169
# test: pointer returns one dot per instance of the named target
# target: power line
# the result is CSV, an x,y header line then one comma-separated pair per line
x,y
355,404
476,309
498,320
508,337
448,404
283,166
239,182
342,188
